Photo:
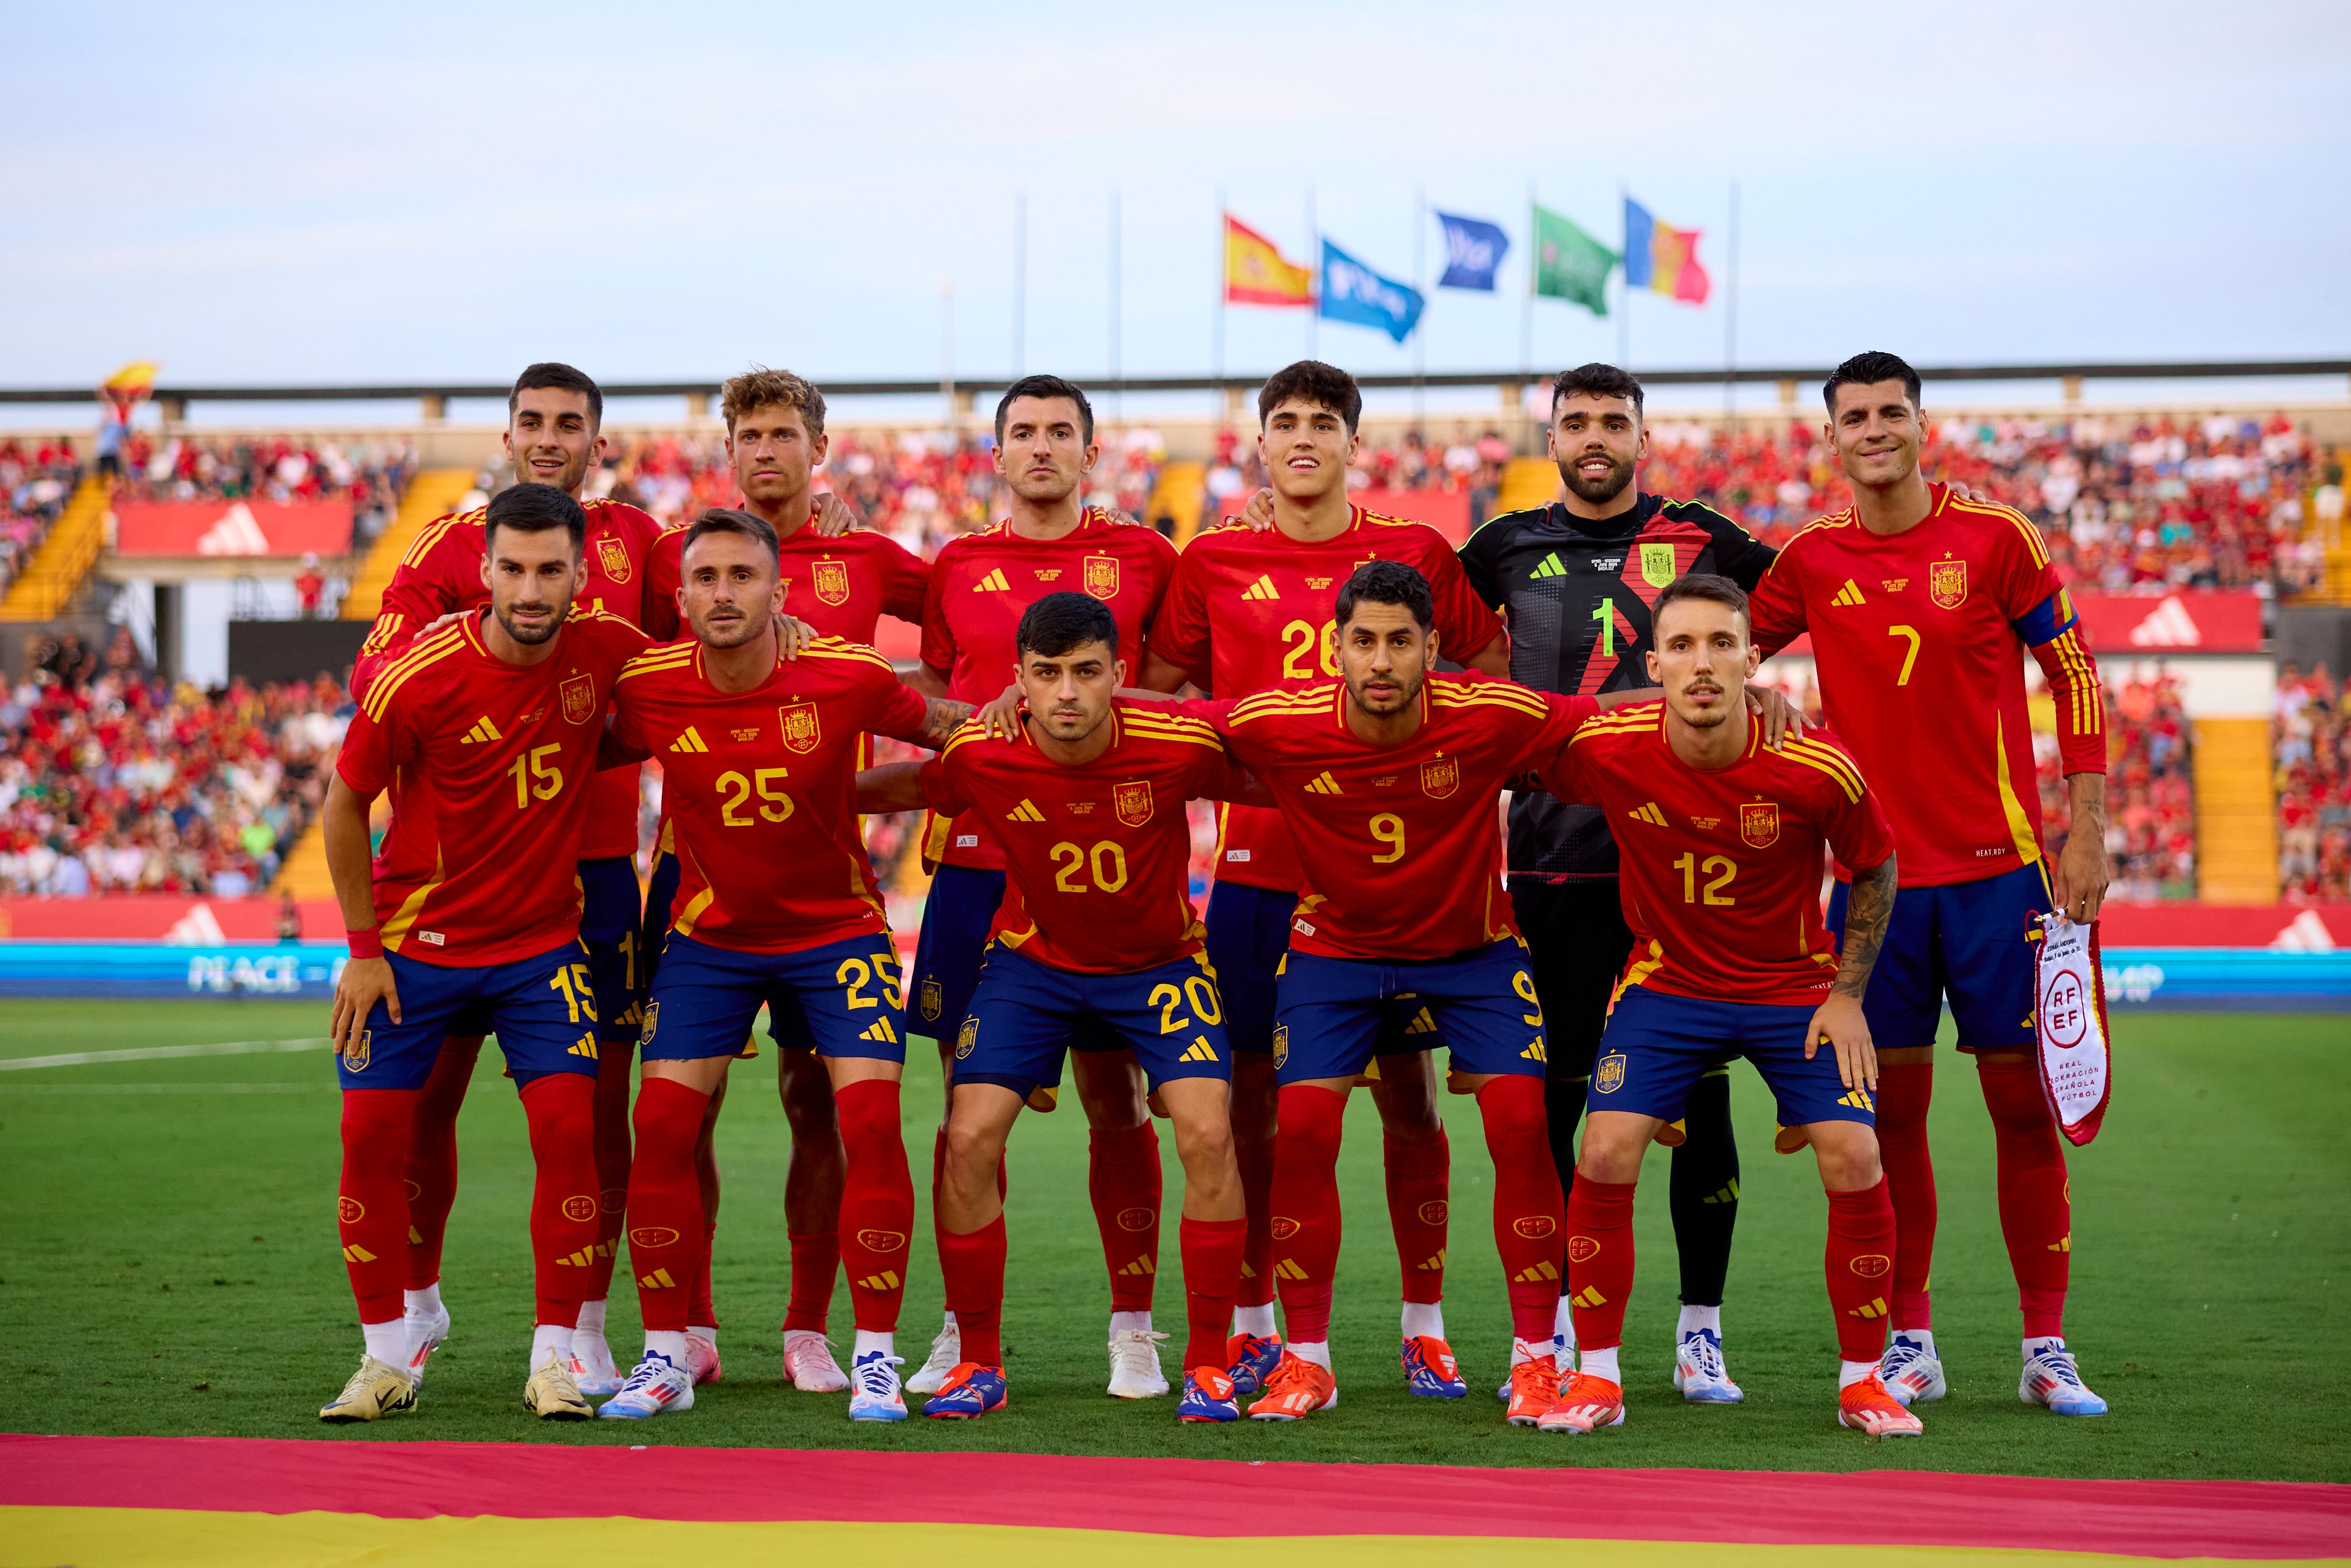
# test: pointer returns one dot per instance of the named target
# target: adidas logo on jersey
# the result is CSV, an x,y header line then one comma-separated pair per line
x,y
1650,813
1198,1050
1849,595
881,1031
992,583
482,730
1263,588
1323,784
1552,566
1025,812
689,742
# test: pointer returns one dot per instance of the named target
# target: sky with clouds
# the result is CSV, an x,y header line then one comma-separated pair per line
x,y
283,193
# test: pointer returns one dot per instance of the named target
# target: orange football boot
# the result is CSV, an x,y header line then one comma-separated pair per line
x,y
1534,1388
1867,1407
1297,1389
1585,1405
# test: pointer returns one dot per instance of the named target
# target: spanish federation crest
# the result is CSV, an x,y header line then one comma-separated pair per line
x,y
1608,1074
614,557
1102,576
801,729
930,999
578,698
831,581
1947,583
653,1023
1658,565
1758,823
1441,776
358,1053
967,1039
1281,1044
1132,802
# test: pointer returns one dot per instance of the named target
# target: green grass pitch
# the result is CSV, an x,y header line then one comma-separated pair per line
x,y
168,1265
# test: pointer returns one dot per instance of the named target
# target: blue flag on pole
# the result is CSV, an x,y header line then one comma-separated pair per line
x,y
1473,250
1353,292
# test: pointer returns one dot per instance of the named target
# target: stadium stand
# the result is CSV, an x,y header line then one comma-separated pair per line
x,y
2150,790
2311,756
36,484
373,474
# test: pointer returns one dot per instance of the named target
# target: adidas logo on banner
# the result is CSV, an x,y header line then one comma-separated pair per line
x,y
235,533
2168,625
992,583
1552,566
881,1031
482,730
1650,814
2305,933
689,741
1849,595
1025,812
1323,784
1263,588
199,927
1198,1050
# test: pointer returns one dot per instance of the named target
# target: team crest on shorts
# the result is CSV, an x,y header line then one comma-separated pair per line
x,y
652,1022
614,557
1441,776
1658,565
967,1037
1609,1076
356,1054
831,581
1102,576
1758,823
932,1001
801,728
1132,801
1947,583
578,698
1281,1043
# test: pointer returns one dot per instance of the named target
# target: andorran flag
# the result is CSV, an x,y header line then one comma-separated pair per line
x,y
1258,274
1662,260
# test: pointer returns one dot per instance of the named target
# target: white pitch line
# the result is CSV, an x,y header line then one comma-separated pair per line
x,y
162,1088
161,1052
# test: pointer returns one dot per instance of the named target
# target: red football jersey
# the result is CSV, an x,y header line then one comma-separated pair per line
x,y
981,584
1402,845
1720,870
1096,859
759,790
842,586
442,572
488,764
1919,638
1250,611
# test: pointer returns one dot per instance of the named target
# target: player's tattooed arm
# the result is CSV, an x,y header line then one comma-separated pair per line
x,y
1839,1023
945,716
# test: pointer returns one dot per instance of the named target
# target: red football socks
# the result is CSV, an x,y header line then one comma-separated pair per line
x,y
1528,1209
560,1109
699,1311
1306,1208
1904,1092
1419,1175
371,1205
1599,1260
431,1168
972,1265
1122,1179
877,1206
1256,1161
613,1060
2036,1211
1212,1268
816,1260
668,1238
1859,1260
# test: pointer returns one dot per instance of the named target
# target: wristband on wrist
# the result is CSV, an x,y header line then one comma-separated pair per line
x,y
367,944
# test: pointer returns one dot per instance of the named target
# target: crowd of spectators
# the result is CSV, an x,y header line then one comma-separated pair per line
x,y
372,473
2312,736
113,782
37,478
2150,787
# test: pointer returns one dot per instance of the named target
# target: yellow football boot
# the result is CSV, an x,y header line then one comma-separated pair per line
x,y
377,1389
552,1396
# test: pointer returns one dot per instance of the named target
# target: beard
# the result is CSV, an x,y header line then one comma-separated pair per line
x,y
528,635
1601,491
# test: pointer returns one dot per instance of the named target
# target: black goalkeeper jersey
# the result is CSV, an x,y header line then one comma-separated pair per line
x,y
1578,603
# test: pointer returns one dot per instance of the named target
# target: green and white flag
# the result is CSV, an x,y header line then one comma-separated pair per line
x,y
1570,264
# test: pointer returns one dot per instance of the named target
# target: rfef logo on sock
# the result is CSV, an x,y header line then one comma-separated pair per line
x,y
1870,1265
580,1207
1284,1227
1435,1211
1582,1249
652,1236
1534,1226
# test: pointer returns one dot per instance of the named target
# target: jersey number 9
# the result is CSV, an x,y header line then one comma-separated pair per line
x,y
1388,828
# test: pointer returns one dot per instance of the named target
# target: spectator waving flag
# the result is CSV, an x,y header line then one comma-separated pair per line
x,y
1662,260
1473,250
1353,292
1258,274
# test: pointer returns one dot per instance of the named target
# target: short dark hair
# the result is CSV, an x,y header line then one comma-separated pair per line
x,y
1595,380
1061,621
1868,370
563,378
533,509
1045,386
1314,383
1387,582
1704,585
729,520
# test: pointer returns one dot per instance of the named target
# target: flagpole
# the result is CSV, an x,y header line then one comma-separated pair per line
x,y
1731,326
1314,261
1019,280
1216,357
1624,285
1527,306
946,355
1118,399
1420,282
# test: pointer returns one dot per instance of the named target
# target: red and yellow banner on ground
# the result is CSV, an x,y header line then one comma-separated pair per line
x,y
104,1502
1256,273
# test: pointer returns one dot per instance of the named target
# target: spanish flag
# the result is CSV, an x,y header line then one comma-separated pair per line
x,y
1258,274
